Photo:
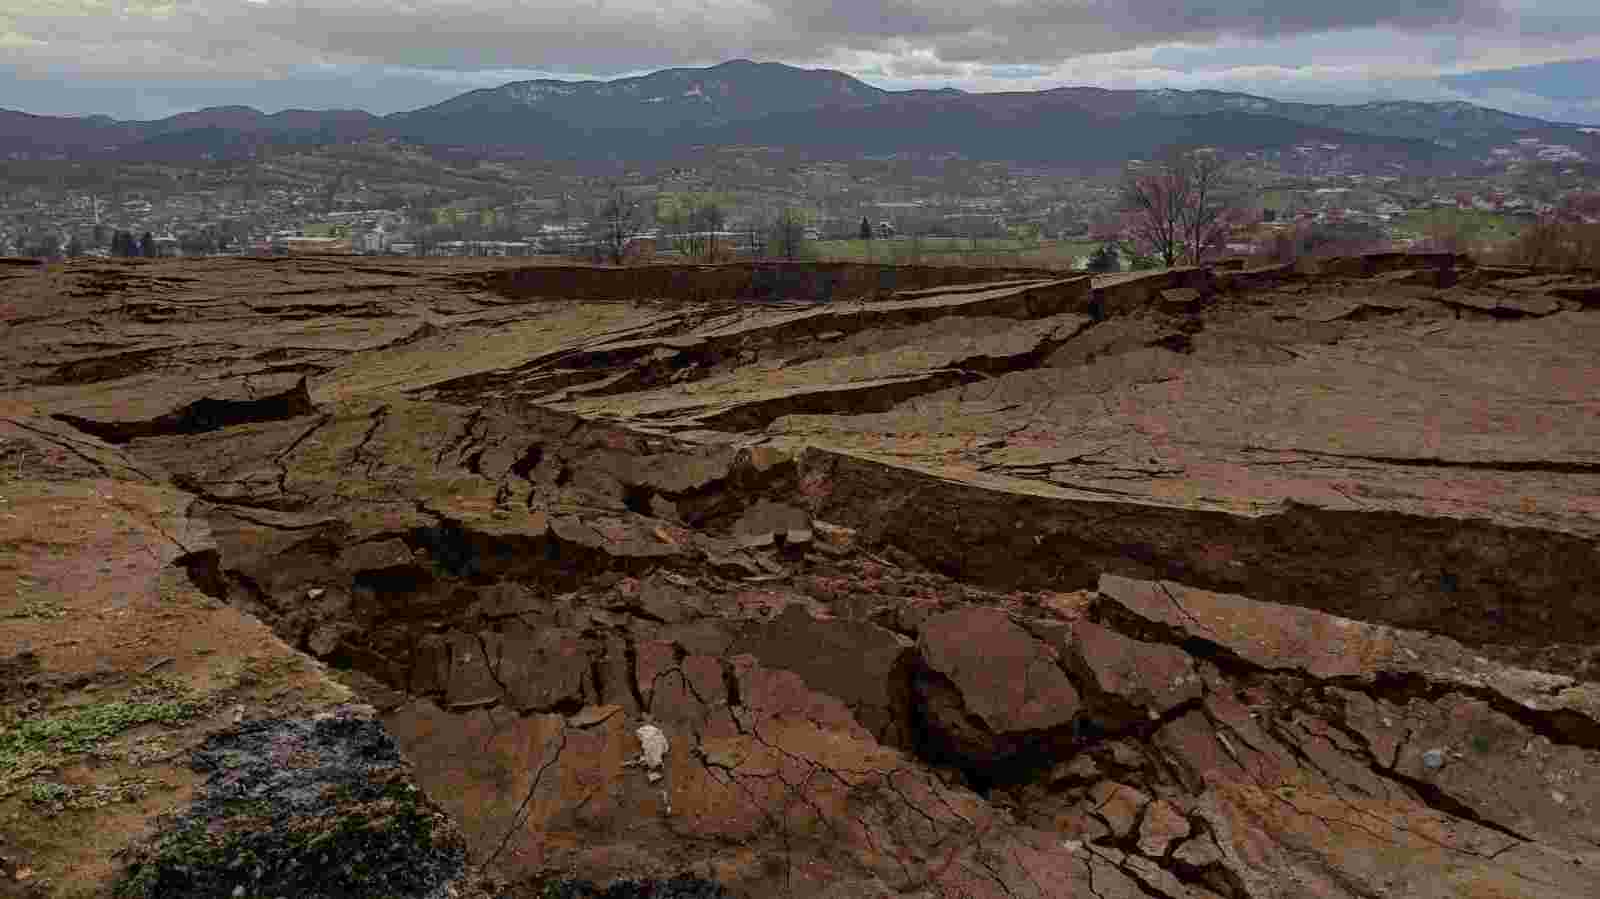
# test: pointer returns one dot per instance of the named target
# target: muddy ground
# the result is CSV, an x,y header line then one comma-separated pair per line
x,y
1201,583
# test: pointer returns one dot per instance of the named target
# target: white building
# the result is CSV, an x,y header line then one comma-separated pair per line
x,y
377,240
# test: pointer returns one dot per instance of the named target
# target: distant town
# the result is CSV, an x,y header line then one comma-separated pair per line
x,y
387,198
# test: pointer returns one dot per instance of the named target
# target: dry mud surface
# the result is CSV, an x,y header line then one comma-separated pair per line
x,y
430,579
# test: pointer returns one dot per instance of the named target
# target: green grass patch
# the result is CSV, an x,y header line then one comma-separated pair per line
x,y
1276,199
42,609
55,798
48,793
82,729
1474,224
38,744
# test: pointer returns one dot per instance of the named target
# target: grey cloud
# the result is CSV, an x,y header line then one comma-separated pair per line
x,y
1573,80
377,90
600,39
630,34
1039,30
923,67
394,54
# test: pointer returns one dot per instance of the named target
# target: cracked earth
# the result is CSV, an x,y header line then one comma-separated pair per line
x,y
814,581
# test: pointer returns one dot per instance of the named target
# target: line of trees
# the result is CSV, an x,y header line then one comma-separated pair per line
x,y
1175,210
696,228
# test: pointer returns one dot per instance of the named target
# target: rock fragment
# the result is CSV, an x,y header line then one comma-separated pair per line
x,y
988,692
761,524
653,747
1163,824
1151,677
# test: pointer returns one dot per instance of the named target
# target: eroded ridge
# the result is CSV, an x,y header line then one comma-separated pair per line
x,y
1201,583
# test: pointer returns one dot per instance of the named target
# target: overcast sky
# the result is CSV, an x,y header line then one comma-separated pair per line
x,y
151,58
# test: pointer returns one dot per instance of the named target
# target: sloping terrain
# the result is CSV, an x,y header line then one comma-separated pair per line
x,y
859,582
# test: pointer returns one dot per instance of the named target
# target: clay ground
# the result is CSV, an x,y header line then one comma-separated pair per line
x,y
1200,583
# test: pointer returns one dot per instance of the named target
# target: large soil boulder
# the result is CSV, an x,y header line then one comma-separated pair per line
x,y
988,690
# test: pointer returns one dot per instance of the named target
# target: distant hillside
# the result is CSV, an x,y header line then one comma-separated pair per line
x,y
823,111
1031,128
654,103
212,130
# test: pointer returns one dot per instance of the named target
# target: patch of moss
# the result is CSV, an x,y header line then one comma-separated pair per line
x,y
44,609
81,729
34,744
45,793
378,840
252,671
56,798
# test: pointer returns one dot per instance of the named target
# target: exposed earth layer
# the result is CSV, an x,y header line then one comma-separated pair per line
x,y
345,577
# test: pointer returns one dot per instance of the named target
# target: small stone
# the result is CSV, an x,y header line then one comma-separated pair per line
x,y
325,639
661,507
765,457
1126,754
757,541
653,744
238,891
315,593
1433,759
834,538
1198,852
1163,825
761,523
1080,767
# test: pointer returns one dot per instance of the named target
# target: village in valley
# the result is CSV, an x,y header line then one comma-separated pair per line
x,y
388,198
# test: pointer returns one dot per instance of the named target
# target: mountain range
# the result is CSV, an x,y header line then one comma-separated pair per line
x,y
746,103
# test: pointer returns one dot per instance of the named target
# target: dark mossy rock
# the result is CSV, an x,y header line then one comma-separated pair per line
x,y
313,809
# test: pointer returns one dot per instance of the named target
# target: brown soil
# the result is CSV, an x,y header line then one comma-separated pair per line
x,y
1234,583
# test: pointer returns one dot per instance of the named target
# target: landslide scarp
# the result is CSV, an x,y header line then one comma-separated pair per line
x,y
1188,584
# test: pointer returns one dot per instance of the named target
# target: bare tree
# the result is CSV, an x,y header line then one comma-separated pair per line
x,y
621,220
755,239
708,221
696,230
1553,243
672,226
789,233
1180,204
